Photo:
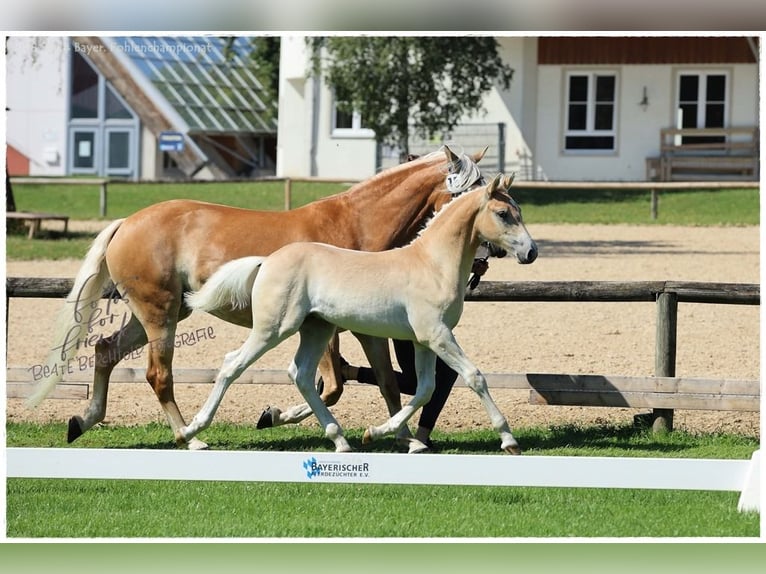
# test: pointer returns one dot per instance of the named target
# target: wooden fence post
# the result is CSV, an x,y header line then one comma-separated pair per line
x,y
665,352
102,199
288,194
654,205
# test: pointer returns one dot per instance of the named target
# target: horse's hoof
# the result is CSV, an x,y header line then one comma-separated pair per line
x,y
266,421
196,444
75,429
417,447
367,437
513,449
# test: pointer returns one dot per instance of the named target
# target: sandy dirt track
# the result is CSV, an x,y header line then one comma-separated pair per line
x,y
714,341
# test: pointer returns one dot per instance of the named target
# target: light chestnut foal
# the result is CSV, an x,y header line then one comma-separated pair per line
x,y
413,293
159,253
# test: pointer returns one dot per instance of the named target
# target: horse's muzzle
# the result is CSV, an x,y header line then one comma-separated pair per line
x,y
530,255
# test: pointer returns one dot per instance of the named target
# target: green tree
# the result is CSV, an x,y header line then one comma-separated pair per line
x,y
402,84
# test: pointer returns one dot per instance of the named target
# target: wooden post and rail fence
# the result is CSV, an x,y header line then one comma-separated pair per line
x,y
664,392
654,188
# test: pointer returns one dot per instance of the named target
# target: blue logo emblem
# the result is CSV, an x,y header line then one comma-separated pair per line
x,y
311,467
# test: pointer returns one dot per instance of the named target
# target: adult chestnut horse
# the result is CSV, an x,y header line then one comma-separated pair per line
x,y
157,254
413,293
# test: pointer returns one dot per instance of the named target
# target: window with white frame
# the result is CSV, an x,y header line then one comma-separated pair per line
x,y
591,102
702,103
348,124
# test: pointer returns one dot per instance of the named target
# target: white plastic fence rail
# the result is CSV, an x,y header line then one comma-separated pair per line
x,y
741,476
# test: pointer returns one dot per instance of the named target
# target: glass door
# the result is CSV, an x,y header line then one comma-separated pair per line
x,y
118,143
84,145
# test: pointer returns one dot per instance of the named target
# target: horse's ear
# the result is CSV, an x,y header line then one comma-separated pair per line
x,y
493,184
508,180
477,157
451,157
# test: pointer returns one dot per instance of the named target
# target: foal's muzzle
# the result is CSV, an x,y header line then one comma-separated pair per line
x,y
529,256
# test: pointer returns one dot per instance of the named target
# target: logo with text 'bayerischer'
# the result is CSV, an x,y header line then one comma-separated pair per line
x,y
335,469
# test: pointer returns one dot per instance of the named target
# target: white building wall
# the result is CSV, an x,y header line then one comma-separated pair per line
x,y
306,145
516,106
638,129
532,109
37,86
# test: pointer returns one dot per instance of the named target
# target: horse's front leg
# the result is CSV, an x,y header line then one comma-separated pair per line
x,y
314,334
447,348
329,369
377,352
425,368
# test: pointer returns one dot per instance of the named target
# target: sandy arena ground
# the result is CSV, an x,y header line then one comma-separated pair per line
x,y
714,341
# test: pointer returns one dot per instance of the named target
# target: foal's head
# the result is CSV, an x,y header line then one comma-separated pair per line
x,y
499,221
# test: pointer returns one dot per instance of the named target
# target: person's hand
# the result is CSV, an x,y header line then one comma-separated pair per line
x,y
480,267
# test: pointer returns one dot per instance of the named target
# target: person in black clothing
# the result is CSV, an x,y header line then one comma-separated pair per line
x,y
405,355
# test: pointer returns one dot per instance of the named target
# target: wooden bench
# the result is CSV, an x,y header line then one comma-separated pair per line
x,y
693,154
34,219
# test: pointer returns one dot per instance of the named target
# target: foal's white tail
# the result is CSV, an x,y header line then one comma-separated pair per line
x,y
229,287
72,320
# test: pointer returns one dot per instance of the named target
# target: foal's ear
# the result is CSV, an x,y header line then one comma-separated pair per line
x,y
477,157
451,157
493,185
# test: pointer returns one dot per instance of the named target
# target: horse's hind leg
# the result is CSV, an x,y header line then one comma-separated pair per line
x,y
109,352
314,334
329,368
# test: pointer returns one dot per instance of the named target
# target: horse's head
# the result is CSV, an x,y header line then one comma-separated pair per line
x,y
460,174
499,221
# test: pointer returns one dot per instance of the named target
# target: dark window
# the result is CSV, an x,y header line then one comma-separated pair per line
x,y
702,102
590,112
84,102
115,110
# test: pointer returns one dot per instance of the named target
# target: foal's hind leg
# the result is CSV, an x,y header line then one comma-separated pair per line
x,y
234,364
109,352
329,368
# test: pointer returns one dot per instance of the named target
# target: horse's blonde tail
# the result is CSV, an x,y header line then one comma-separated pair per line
x,y
229,287
72,320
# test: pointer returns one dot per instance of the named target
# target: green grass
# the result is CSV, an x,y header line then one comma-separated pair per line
x,y
693,208
76,508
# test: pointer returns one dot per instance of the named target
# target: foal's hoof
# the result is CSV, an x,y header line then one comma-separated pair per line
x,y
75,429
513,449
196,444
266,421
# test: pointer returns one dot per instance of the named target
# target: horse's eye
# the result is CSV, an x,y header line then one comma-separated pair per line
x,y
503,214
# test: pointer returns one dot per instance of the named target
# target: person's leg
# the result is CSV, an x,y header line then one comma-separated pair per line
x,y
445,380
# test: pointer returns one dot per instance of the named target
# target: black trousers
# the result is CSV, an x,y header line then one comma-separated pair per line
x,y
407,381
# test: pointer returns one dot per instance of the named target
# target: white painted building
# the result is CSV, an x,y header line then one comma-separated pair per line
x,y
577,109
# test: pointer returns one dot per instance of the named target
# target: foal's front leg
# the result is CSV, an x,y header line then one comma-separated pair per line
x,y
450,352
377,352
314,334
425,368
